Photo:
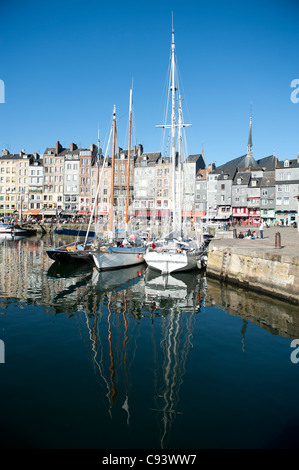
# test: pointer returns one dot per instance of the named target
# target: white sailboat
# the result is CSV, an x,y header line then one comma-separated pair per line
x,y
131,250
174,253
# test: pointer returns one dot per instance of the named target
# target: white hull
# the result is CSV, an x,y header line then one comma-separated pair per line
x,y
168,262
116,258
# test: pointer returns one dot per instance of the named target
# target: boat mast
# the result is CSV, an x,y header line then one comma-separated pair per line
x,y
112,171
129,162
180,139
98,179
173,130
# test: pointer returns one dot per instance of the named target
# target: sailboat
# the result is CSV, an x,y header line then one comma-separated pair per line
x,y
131,250
81,251
174,253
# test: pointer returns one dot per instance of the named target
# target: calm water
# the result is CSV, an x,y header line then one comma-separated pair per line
x,y
128,360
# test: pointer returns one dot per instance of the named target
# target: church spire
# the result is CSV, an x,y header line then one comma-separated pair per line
x,y
249,145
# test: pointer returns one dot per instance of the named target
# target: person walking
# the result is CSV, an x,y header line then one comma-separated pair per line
x,y
261,230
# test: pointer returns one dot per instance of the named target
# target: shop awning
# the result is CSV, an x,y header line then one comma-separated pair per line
x,y
49,212
7,211
222,217
33,212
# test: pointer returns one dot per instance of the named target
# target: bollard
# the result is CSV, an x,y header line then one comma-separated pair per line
x,y
277,240
234,233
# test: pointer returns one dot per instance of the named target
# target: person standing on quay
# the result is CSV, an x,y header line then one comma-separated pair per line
x,y
262,230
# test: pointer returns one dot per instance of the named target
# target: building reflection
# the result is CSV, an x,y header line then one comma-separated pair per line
x,y
115,307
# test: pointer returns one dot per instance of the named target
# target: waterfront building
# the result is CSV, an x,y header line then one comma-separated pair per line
x,y
287,187
71,180
53,187
35,185
88,179
201,195
14,172
224,195
145,173
267,203
191,167
121,169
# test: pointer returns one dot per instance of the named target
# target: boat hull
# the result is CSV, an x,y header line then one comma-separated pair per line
x,y
117,258
16,231
73,232
168,262
68,257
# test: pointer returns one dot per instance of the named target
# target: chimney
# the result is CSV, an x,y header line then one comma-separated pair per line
x,y
211,167
58,147
298,158
4,152
92,147
135,150
140,150
73,147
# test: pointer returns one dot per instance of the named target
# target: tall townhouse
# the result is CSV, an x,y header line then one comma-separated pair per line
x,y
71,180
163,190
212,190
191,167
145,185
254,197
286,188
22,179
121,169
35,185
224,195
201,195
88,178
53,187
267,202
14,176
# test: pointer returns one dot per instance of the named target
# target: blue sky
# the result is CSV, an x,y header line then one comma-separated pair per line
x,y
66,63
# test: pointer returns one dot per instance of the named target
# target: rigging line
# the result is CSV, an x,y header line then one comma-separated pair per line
x,y
166,92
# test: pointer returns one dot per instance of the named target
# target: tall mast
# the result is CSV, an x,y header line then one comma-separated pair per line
x,y
98,177
112,169
129,161
180,141
173,90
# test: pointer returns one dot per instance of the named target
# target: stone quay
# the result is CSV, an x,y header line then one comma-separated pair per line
x,y
269,264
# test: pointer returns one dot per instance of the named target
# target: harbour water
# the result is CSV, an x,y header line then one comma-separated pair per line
x,y
130,360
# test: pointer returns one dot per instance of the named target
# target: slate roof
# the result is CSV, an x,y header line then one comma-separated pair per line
x,y
268,163
292,164
245,178
245,161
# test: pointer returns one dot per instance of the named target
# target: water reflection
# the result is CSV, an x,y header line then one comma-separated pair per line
x,y
133,318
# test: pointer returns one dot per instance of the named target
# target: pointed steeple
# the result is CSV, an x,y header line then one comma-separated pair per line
x,y
249,145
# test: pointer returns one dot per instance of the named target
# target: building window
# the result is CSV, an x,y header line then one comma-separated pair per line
x,y
278,201
286,163
286,201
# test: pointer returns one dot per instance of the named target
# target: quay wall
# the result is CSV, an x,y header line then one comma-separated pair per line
x,y
271,272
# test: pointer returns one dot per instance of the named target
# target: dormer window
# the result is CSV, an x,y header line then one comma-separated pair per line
x,y
239,181
286,163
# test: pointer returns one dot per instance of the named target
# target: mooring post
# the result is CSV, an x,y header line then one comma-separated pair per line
x,y
277,240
